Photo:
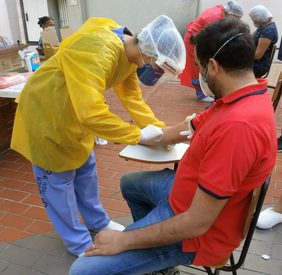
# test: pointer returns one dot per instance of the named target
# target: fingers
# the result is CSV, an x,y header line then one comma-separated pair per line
x,y
90,251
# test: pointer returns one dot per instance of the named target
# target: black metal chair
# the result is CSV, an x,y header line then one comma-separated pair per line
x,y
270,60
247,234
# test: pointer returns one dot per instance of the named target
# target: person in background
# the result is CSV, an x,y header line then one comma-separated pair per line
x,y
265,37
44,22
62,108
232,152
190,75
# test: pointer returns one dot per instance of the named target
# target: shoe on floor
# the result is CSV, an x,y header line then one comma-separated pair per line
x,y
268,218
166,271
279,141
114,226
206,99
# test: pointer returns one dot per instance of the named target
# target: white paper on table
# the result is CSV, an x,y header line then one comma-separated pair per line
x,y
13,91
157,154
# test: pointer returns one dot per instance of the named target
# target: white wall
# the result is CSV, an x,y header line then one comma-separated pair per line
x,y
273,5
9,24
135,14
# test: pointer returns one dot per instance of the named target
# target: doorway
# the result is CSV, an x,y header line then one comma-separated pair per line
x,y
32,10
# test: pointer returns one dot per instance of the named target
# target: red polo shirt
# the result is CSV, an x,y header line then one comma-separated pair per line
x,y
232,151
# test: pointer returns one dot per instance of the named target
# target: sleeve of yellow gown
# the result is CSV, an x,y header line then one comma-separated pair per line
x,y
87,67
129,93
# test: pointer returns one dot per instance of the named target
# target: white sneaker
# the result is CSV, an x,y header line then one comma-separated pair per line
x,y
269,218
114,226
207,99
100,141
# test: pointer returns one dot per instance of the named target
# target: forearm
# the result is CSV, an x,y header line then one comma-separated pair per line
x,y
167,232
172,134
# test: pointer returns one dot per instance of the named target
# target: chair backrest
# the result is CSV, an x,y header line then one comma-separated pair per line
x,y
250,224
270,60
277,92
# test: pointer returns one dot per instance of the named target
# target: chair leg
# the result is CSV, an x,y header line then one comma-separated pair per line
x,y
208,269
216,271
232,262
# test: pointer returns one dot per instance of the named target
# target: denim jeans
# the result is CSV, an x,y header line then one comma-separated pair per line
x,y
147,196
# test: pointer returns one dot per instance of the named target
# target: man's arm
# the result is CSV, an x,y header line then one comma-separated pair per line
x,y
174,134
192,223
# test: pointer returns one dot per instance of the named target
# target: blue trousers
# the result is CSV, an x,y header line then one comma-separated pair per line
x,y
147,196
66,194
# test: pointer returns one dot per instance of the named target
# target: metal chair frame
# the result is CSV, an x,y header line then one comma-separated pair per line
x,y
250,225
270,60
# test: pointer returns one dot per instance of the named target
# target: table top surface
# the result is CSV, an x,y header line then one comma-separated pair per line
x,y
154,154
12,91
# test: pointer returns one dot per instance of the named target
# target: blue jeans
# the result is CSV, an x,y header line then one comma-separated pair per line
x,y
147,196
65,194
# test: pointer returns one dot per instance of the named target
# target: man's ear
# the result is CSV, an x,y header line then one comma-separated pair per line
x,y
214,66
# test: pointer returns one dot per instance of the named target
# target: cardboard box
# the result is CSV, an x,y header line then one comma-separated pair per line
x,y
10,59
65,32
50,36
49,50
32,61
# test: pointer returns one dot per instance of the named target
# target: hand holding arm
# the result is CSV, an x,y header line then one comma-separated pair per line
x,y
190,131
150,135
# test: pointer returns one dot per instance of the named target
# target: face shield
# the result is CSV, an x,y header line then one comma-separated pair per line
x,y
161,40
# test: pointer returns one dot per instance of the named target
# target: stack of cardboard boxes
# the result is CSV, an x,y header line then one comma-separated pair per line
x,y
10,59
50,40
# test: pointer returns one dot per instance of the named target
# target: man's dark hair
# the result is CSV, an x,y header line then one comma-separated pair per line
x,y
238,54
42,20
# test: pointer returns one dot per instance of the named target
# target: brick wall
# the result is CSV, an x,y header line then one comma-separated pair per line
x,y
7,114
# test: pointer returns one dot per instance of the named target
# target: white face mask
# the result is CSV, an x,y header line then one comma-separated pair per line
x,y
203,77
204,86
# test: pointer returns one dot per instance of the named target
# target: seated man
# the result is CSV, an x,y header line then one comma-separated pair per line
x,y
196,214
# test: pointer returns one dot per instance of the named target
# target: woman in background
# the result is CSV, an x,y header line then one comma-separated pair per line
x,y
265,37
190,76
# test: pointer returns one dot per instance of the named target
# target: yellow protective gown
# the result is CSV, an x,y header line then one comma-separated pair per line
x,y
62,108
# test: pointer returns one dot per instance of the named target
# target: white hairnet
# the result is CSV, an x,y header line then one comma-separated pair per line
x,y
233,7
161,40
260,13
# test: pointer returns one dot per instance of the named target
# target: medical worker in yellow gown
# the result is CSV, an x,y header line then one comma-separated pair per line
x,y
62,108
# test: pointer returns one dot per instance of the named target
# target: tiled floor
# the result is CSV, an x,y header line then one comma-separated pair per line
x,y
28,243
